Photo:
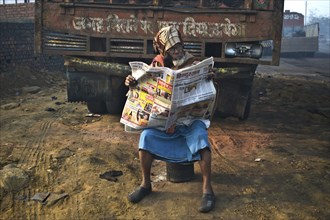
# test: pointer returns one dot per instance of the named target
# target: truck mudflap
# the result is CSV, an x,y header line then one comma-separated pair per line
x,y
99,84
234,87
234,98
102,93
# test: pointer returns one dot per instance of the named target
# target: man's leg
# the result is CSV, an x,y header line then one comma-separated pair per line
x,y
208,198
145,188
205,165
146,161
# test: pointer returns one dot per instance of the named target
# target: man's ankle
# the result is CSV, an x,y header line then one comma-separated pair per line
x,y
146,185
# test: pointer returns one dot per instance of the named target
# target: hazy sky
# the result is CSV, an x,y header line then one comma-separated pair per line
x,y
318,7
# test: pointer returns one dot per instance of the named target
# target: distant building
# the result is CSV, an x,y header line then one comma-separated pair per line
x,y
293,24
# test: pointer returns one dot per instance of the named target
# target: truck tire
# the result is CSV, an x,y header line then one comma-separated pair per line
x,y
114,107
97,107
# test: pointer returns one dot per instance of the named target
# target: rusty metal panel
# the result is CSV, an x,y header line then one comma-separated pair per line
x,y
208,25
126,29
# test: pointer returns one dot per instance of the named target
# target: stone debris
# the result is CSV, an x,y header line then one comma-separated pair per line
x,y
31,89
325,112
13,179
64,153
50,109
92,115
161,176
41,197
95,160
55,197
22,198
111,175
49,199
10,106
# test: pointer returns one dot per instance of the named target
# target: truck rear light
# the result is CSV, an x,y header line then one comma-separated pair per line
x,y
243,50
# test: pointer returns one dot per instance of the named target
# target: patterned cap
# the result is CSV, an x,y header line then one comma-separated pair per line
x,y
166,38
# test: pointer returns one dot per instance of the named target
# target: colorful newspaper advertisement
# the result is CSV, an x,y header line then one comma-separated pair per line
x,y
164,96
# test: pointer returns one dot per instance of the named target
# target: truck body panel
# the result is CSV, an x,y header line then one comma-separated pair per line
x,y
123,31
114,30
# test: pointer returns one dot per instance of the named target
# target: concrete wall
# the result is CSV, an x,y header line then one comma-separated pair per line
x,y
17,40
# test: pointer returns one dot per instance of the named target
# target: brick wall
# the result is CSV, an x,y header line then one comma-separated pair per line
x,y
17,40
17,12
293,19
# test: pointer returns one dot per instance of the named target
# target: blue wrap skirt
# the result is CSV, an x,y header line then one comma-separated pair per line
x,y
180,147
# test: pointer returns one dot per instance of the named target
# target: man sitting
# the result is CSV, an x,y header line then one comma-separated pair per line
x,y
187,140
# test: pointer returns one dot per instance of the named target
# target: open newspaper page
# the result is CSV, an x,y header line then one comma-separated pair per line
x,y
193,94
163,96
148,103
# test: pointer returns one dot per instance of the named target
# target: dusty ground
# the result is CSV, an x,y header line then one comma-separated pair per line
x,y
275,165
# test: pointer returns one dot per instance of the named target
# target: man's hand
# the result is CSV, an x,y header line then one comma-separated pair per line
x,y
171,130
211,74
130,81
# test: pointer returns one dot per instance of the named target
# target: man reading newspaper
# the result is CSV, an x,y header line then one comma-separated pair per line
x,y
172,100
163,97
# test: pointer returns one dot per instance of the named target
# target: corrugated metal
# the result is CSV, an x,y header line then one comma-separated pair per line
x,y
195,48
61,41
133,46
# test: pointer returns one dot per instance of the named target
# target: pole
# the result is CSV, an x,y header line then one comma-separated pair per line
x,y
305,22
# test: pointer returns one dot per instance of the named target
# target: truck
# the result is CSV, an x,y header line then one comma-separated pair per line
x,y
98,38
298,38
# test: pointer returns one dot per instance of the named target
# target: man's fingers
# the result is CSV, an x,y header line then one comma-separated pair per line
x,y
210,76
171,129
130,81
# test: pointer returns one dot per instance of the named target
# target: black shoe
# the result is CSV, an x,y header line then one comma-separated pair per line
x,y
208,202
139,194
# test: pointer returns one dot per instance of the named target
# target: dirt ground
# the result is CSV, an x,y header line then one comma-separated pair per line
x,y
275,165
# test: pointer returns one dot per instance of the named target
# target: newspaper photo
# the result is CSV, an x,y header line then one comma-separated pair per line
x,y
164,96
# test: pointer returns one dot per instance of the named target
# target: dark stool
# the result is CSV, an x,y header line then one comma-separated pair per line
x,y
179,172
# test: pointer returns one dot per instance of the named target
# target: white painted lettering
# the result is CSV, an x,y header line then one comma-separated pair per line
x,y
131,25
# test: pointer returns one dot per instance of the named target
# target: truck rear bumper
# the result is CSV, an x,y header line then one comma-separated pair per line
x,y
104,91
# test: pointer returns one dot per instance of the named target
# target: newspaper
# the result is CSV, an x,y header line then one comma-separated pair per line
x,y
164,96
